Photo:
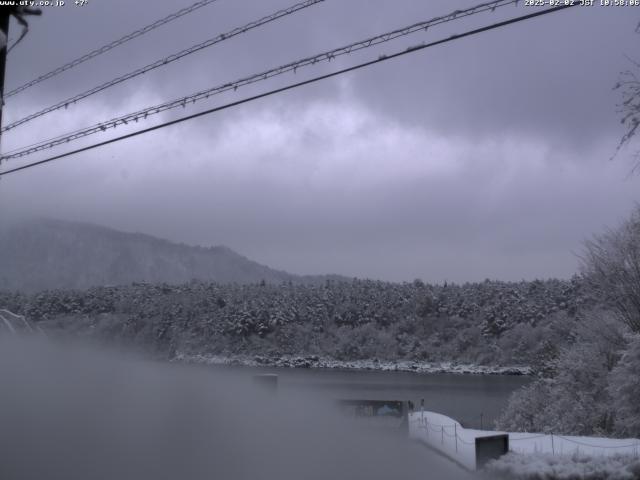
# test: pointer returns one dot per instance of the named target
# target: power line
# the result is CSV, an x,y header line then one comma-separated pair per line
x,y
110,46
292,66
164,61
326,56
380,59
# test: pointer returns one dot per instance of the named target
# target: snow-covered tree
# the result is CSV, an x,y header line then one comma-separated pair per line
x,y
629,87
576,399
611,264
624,389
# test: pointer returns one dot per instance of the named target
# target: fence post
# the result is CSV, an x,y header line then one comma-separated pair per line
x,y
427,427
455,434
422,410
441,434
553,449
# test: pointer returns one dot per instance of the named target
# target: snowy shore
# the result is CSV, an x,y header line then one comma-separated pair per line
x,y
533,456
312,361
514,466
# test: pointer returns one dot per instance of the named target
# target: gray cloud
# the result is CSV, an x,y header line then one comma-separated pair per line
x,y
485,157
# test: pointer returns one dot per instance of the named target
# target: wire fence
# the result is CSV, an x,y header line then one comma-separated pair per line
x,y
454,432
578,442
441,429
530,437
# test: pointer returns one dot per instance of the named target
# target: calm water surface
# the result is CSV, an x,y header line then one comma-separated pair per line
x,y
463,397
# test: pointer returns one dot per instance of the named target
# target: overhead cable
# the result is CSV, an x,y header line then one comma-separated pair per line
x,y
326,56
109,46
380,59
163,62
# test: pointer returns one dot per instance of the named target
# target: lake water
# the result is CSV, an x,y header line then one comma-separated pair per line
x,y
463,397
71,413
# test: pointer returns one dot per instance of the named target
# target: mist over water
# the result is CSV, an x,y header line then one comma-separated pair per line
x,y
74,413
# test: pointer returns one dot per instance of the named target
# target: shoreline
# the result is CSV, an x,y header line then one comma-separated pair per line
x,y
315,362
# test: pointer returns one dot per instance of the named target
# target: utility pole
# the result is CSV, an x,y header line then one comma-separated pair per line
x,y
5,14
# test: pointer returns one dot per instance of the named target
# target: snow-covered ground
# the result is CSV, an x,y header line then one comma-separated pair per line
x,y
572,445
515,466
313,361
447,436
450,438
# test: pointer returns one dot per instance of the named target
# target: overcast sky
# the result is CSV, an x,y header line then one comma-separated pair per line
x,y
487,157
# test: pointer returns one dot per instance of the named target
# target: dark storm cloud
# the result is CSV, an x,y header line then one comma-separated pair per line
x,y
485,157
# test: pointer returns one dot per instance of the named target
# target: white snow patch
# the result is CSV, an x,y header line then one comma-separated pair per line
x,y
568,445
562,467
447,436
313,361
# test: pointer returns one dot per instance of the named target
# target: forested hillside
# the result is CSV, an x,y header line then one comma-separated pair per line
x,y
488,323
42,254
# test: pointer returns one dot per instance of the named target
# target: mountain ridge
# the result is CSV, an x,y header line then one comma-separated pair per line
x,y
45,253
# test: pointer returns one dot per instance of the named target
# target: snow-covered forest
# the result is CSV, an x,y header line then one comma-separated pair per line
x,y
488,323
579,336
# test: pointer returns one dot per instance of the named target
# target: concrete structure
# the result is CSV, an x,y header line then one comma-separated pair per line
x,y
467,447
